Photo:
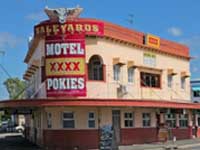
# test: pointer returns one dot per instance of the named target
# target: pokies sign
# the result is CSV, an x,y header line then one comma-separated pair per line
x,y
65,62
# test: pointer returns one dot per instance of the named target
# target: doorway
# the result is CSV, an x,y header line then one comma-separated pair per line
x,y
116,126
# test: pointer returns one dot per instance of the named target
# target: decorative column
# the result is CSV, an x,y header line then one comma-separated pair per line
x,y
196,125
177,121
196,119
162,120
190,123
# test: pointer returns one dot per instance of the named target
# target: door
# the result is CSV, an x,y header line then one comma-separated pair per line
x,y
116,126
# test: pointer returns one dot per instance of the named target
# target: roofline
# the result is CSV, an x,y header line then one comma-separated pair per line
x,y
128,36
96,103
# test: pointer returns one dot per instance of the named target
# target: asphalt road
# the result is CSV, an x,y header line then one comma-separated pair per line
x,y
15,141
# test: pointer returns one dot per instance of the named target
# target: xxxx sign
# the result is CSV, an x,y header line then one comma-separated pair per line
x,y
65,67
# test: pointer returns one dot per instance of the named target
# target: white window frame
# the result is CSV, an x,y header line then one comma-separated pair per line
x,y
149,59
129,119
146,119
68,119
49,120
183,117
131,72
116,72
171,118
91,120
183,82
169,81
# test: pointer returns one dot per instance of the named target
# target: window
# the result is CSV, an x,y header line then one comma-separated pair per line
x,y
169,81
39,120
91,120
183,120
68,120
149,59
183,82
116,72
130,75
43,75
146,119
198,120
170,120
196,93
150,80
128,119
95,68
49,120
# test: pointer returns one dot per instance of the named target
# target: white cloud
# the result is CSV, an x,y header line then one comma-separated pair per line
x,y
175,31
8,40
37,16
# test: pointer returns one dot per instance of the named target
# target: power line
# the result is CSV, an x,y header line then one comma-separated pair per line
x,y
5,71
8,74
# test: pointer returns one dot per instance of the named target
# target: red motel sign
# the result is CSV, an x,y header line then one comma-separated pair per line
x,y
65,56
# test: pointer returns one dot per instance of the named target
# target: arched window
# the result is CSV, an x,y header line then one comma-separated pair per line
x,y
95,68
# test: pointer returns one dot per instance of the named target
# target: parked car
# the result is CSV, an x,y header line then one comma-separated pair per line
x,y
4,126
19,128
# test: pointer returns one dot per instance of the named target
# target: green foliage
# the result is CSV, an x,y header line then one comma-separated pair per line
x,y
15,88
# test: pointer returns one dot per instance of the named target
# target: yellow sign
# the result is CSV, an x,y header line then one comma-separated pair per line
x,y
152,40
65,66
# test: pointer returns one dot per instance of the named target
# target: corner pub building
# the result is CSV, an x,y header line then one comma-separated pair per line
x,y
85,74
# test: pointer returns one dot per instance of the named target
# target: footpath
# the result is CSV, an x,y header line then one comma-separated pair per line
x,y
170,145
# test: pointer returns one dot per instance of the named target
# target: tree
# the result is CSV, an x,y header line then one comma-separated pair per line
x,y
15,88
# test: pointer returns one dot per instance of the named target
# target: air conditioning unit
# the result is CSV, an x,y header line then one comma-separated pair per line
x,y
123,89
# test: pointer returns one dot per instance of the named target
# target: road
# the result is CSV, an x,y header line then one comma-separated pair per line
x,y
15,141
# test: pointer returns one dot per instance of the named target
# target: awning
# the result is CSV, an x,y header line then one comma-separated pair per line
x,y
97,103
185,74
171,72
117,61
152,69
130,64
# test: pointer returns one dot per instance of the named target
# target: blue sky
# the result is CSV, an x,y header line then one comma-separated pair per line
x,y
176,20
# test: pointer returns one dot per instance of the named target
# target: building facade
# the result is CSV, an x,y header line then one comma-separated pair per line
x,y
87,75
195,90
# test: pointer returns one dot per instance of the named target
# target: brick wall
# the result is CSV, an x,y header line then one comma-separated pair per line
x,y
182,133
198,132
68,139
138,135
